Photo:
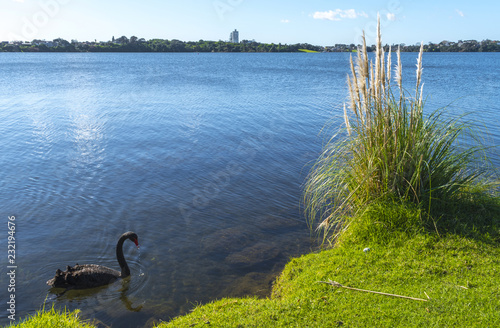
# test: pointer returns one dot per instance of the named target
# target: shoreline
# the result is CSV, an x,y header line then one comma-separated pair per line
x,y
454,273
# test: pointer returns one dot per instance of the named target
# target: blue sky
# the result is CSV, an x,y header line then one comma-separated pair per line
x,y
319,22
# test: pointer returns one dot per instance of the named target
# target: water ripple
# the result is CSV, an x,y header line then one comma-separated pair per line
x,y
204,157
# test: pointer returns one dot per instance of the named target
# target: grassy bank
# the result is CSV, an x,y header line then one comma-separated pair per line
x,y
458,274
459,271
53,318
308,51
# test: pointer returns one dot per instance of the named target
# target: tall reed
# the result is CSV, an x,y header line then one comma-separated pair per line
x,y
388,149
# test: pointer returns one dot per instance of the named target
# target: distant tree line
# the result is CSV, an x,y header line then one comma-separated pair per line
x,y
135,44
444,46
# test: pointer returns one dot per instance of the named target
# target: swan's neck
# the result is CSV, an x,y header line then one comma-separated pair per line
x,y
125,271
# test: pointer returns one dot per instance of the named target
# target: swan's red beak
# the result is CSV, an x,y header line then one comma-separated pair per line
x,y
136,242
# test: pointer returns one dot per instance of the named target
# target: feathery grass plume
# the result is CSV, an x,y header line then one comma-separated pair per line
x,y
390,151
388,70
419,68
399,73
346,121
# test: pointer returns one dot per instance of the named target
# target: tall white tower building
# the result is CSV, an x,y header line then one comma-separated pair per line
x,y
234,37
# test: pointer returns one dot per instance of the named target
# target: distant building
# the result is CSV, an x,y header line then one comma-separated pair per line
x,y
234,37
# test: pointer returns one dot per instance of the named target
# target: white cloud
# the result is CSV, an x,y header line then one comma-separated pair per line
x,y
285,21
460,13
338,14
391,16
21,1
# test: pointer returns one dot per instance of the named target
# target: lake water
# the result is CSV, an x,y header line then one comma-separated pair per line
x,y
203,156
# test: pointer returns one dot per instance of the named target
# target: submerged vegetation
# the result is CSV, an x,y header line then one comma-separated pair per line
x,y
411,211
457,278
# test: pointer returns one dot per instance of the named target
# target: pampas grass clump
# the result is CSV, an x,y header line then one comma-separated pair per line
x,y
389,149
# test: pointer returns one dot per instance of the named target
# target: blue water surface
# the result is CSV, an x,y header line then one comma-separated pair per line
x,y
203,155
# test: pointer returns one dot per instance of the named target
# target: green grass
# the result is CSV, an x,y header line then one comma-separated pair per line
x,y
53,318
308,51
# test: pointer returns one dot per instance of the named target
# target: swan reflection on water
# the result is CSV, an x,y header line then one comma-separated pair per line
x,y
79,294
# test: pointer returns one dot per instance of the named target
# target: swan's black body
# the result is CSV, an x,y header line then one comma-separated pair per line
x,y
92,275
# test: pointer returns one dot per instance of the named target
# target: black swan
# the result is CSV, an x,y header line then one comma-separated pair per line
x,y
92,275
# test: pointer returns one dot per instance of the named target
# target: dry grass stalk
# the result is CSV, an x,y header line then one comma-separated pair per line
x,y
336,284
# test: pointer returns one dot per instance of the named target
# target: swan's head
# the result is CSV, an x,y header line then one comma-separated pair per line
x,y
132,236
